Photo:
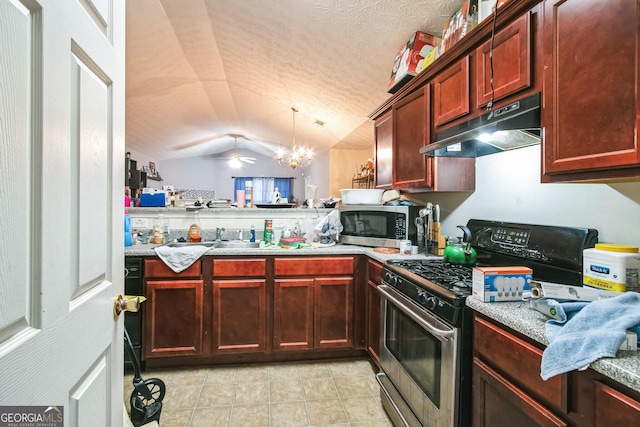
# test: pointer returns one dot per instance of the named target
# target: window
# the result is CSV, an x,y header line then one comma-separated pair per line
x,y
263,187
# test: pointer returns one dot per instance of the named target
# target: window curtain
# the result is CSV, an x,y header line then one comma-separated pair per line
x,y
263,188
284,186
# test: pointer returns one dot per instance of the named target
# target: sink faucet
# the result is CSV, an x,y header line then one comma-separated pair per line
x,y
239,234
219,232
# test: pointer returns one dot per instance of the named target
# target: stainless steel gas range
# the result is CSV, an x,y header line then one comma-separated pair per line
x,y
426,335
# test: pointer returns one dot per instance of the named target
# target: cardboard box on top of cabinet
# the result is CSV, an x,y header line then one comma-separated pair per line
x,y
460,23
493,284
408,61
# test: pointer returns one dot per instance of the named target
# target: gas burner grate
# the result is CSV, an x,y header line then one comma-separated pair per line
x,y
456,278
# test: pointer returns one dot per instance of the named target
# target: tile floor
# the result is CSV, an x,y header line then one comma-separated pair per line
x,y
341,393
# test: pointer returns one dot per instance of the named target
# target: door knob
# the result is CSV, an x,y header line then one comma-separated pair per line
x,y
127,303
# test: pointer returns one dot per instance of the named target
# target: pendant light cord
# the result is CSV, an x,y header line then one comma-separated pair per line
x,y
493,34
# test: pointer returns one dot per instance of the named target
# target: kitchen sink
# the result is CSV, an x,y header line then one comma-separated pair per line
x,y
183,244
237,244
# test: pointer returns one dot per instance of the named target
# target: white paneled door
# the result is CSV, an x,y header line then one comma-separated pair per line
x,y
61,206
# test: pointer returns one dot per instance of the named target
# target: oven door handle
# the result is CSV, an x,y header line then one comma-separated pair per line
x,y
384,290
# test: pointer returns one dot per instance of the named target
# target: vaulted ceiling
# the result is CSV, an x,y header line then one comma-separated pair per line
x,y
198,71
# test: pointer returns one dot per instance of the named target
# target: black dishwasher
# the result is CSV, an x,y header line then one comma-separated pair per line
x,y
133,276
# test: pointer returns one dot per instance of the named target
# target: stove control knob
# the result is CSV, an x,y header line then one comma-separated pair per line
x,y
422,297
391,279
427,301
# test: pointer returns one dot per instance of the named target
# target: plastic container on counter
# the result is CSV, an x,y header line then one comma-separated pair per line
x,y
611,267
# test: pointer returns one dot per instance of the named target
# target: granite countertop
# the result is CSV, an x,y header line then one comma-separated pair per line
x,y
339,249
624,368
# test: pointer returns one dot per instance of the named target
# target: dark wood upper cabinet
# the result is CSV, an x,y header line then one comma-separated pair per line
x,y
511,62
384,151
451,93
591,93
411,131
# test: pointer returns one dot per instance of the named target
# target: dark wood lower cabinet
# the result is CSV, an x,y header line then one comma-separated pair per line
x,y
497,402
374,278
613,408
313,313
293,314
239,315
253,309
173,318
333,320
508,390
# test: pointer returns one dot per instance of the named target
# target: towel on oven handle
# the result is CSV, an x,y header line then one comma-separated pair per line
x,y
594,331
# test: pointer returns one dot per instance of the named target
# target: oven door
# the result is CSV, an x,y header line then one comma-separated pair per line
x,y
419,356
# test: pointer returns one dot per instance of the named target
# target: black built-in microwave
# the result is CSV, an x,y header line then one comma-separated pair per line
x,y
378,225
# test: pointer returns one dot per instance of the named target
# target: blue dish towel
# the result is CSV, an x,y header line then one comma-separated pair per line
x,y
595,330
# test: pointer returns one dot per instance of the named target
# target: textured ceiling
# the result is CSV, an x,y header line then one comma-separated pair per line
x,y
199,70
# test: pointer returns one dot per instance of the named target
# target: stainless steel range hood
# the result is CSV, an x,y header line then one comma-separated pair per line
x,y
513,126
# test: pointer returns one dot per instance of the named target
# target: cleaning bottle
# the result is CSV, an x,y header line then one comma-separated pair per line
x,y
194,229
128,238
252,234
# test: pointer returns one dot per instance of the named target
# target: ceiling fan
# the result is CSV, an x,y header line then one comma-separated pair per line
x,y
235,158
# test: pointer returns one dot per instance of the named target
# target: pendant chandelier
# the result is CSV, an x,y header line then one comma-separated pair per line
x,y
299,157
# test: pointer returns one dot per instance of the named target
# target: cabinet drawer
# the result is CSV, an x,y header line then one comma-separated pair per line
x,y
519,361
614,408
157,268
499,402
254,267
374,271
323,266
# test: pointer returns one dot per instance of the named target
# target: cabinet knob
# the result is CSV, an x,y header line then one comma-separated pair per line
x,y
127,303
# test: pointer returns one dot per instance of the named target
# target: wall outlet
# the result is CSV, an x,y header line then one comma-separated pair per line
x,y
139,223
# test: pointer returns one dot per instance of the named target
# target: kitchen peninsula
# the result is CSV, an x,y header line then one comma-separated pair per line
x,y
240,305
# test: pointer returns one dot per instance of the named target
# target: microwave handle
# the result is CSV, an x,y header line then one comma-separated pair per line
x,y
445,334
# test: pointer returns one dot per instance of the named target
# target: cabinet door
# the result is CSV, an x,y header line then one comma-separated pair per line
x,y
374,278
518,360
333,320
614,408
591,89
383,151
173,318
373,321
293,314
498,403
239,315
411,131
511,62
451,93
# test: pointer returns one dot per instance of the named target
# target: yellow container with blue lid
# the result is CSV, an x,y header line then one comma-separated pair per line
x,y
612,267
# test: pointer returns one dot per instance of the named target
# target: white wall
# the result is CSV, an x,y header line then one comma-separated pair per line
x,y
205,173
508,188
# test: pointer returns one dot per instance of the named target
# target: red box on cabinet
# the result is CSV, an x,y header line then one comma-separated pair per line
x,y
408,61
